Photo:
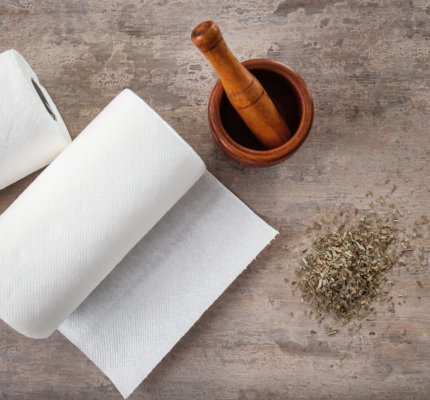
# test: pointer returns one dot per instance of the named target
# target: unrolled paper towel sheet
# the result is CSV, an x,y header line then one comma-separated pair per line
x,y
32,132
126,229
164,285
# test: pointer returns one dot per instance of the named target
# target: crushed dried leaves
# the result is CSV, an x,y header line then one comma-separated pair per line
x,y
345,271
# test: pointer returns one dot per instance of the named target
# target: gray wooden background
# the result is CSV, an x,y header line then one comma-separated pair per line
x,y
367,65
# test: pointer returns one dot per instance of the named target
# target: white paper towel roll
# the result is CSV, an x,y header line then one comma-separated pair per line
x,y
87,210
131,200
32,132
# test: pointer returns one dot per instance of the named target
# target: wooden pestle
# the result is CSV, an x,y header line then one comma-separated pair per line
x,y
245,92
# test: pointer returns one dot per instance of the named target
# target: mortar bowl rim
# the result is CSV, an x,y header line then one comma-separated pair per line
x,y
261,158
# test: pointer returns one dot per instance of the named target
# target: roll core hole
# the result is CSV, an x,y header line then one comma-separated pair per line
x,y
44,100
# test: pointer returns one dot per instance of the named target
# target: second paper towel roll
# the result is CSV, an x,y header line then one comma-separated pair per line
x,y
87,210
32,132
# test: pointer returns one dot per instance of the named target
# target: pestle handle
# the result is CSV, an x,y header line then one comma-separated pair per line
x,y
245,92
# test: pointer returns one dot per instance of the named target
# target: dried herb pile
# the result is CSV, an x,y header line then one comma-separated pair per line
x,y
346,268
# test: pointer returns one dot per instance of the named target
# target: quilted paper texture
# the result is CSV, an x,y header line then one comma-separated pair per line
x,y
165,284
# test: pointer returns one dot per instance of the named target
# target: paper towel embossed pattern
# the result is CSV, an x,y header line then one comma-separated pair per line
x,y
164,285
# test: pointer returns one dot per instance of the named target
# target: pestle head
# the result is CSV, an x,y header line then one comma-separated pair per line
x,y
206,36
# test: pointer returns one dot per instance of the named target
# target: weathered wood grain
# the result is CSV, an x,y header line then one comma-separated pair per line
x,y
366,63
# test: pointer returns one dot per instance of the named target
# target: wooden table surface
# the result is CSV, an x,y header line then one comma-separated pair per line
x,y
367,65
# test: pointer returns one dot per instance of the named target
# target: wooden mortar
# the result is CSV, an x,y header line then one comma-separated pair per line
x,y
260,137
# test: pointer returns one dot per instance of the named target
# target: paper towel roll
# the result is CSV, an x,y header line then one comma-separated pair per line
x,y
87,210
131,200
32,132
